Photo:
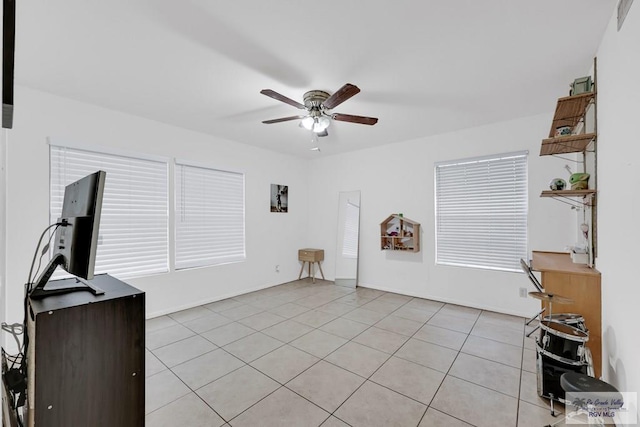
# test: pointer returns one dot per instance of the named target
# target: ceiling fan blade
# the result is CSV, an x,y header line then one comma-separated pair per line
x,y
275,95
354,119
341,95
283,119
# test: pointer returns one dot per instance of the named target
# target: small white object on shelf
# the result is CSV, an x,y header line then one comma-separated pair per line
x,y
578,258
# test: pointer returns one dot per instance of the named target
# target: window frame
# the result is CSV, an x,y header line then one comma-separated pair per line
x,y
145,261
213,258
504,251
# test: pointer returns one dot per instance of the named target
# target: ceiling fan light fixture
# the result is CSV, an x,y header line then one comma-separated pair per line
x,y
320,124
317,103
308,123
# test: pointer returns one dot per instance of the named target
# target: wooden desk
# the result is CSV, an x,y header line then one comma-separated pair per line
x,y
311,256
580,283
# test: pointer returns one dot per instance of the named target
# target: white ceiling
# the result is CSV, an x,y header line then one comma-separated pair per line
x,y
424,67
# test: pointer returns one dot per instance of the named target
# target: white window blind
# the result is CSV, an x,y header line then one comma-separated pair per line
x,y
209,216
351,228
481,212
133,239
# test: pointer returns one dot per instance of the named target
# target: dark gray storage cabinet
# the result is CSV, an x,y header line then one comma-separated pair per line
x,y
86,357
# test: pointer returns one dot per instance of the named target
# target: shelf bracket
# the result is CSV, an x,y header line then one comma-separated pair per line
x,y
586,201
567,159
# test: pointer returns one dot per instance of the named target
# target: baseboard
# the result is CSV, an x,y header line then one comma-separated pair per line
x,y
447,300
151,315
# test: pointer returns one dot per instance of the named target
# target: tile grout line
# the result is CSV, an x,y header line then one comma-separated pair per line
x,y
315,328
448,370
480,385
320,359
283,385
524,337
244,364
390,356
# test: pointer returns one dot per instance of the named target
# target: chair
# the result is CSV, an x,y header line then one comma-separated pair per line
x,y
593,389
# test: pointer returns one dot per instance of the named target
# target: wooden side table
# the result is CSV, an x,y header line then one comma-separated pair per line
x,y
311,256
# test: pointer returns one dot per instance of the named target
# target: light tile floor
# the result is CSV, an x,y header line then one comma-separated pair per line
x,y
303,354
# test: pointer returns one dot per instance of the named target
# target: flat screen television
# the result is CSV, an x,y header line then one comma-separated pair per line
x,y
76,237
8,60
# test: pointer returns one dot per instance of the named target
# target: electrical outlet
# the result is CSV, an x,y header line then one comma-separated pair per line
x,y
523,292
277,268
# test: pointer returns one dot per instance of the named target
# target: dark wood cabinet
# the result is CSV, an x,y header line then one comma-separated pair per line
x,y
86,357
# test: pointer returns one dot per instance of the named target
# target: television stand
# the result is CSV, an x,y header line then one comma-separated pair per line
x,y
59,288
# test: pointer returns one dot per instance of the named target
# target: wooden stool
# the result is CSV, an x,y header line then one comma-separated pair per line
x,y
311,256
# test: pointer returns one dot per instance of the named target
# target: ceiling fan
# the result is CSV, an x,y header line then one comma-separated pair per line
x,y
317,102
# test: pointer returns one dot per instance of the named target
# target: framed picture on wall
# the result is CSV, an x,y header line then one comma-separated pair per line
x,y
279,198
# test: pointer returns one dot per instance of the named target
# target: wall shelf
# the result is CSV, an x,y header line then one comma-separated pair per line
x,y
567,193
570,110
580,114
572,197
398,233
566,144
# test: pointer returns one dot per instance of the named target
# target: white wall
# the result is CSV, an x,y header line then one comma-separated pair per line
x,y
3,230
399,178
270,238
619,199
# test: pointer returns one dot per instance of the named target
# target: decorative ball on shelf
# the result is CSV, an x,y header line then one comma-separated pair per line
x,y
563,131
558,184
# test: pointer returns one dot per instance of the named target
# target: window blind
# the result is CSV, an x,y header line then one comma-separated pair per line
x,y
481,212
209,216
133,238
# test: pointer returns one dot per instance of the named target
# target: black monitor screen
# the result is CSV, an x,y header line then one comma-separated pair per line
x,y
76,238
77,241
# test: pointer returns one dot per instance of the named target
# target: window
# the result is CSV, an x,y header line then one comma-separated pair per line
x,y
481,212
133,239
209,216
